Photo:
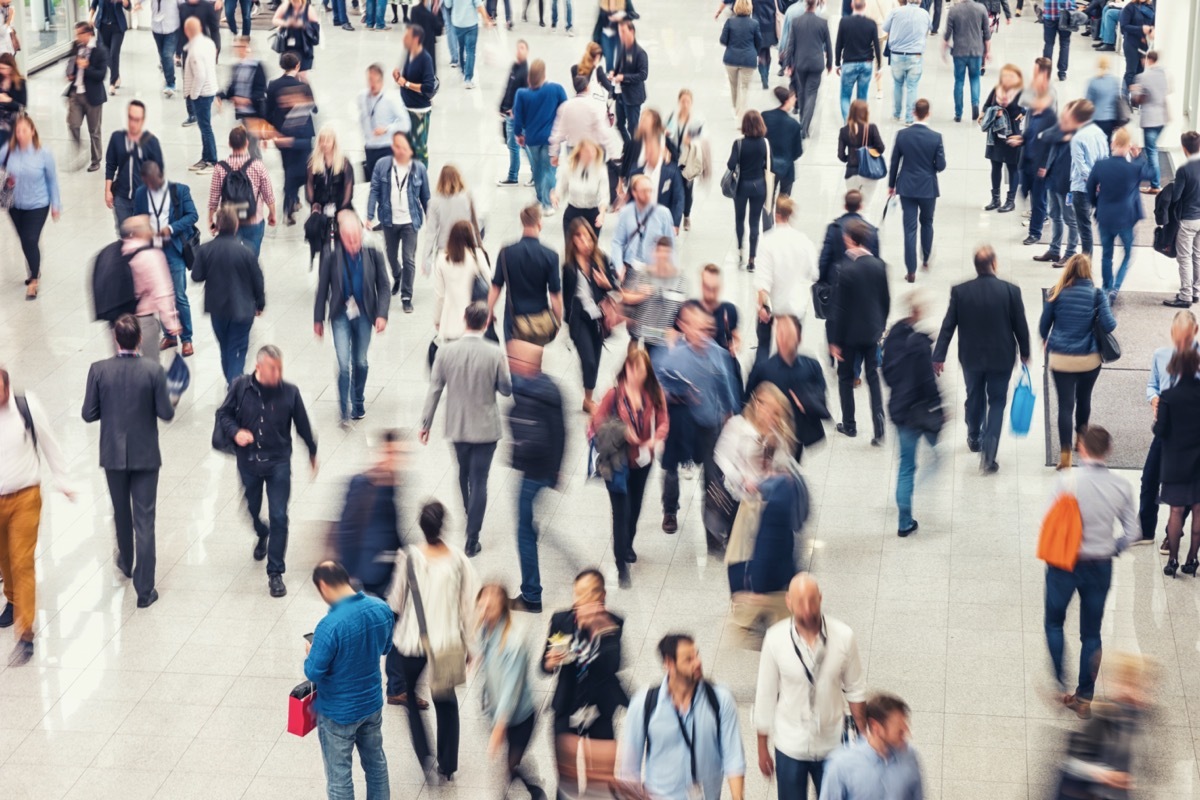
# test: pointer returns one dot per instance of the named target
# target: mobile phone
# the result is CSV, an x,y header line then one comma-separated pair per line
x,y
308,638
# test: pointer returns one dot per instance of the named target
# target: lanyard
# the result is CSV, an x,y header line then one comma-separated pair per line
x,y
642,222
371,113
157,212
400,184
690,741
816,667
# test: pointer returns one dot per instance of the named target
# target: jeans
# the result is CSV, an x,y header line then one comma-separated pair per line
x,y
1091,579
1061,213
208,142
474,463
233,339
1150,138
514,151
1037,202
608,45
179,274
339,13
792,776
987,396
856,80
337,750
351,338
554,13
1074,390
966,68
906,74
934,7
806,84
231,7
1108,240
400,242
627,115
251,235
917,211
1082,205
543,173
451,35
419,135
376,14
276,478
909,439
122,210
466,39
527,535
446,711
165,42
1108,25
626,509
868,354
704,441
1050,32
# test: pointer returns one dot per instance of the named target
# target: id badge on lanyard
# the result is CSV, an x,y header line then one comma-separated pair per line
x,y
351,309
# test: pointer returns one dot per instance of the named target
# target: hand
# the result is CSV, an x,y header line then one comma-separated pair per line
x,y
423,436
554,197
217,102
69,494
521,141
243,438
600,220
380,131
312,463
496,741
839,71
55,214
369,225
1118,780
396,76
552,660
1041,173
319,329
165,232
891,191
618,78
554,161
764,316
766,765
1135,151
380,324
258,313
108,198
271,219
938,366
1015,141
787,71
307,647
836,352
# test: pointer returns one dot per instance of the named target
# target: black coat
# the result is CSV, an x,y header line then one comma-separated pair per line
x,y
598,685
786,137
368,533
908,370
999,149
834,247
917,158
1178,426
570,284
332,292
764,15
270,414
93,75
634,65
861,302
432,27
849,145
990,318
234,288
538,432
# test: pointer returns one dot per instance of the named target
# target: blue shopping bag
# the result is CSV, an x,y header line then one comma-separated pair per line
x,y
1020,415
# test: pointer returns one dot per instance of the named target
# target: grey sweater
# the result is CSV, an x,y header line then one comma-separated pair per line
x,y
1104,500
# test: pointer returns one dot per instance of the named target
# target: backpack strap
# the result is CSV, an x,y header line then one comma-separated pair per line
x,y
711,693
23,409
647,712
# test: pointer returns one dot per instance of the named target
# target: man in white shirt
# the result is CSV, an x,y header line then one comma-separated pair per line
x,y
583,117
381,114
24,433
786,271
809,670
200,87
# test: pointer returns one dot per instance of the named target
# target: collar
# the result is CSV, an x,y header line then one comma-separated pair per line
x,y
920,122
128,353
350,598
397,164
1194,157
822,634
470,334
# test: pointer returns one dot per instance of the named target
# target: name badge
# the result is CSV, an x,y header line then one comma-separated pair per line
x,y
351,309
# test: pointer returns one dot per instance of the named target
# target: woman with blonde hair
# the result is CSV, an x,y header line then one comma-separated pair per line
x,y
450,204
583,186
35,193
588,276
461,266
330,185
742,38
1074,354
1002,120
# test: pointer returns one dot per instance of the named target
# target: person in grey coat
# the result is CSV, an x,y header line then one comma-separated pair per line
x,y
128,395
473,370
801,52
1150,94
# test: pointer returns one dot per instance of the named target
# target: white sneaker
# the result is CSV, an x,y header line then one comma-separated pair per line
x,y
168,92
548,211
469,85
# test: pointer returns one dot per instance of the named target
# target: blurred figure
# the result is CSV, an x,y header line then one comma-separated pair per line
x,y
290,107
880,765
800,379
1113,191
450,204
1150,92
151,283
656,293
172,215
786,270
460,268
587,278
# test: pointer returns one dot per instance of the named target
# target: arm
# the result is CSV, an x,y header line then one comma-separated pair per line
x,y
1093,187
631,747
1154,385
733,757
724,39
51,176
324,276
91,397
437,382
1107,320
949,323
189,216
894,168
503,379
320,656
766,695
227,413
303,427
843,148
827,47
939,160
376,191
256,279
1020,325
1047,320
383,283
46,443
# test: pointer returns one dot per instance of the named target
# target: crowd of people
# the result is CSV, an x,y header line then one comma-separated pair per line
x,y
609,163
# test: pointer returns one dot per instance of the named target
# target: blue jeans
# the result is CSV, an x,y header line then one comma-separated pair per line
x,y
1037,200
179,279
514,151
1091,579
543,173
233,339
1050,32
987,395
231,7
466,38
531,577
451,34
1108,240
906,74
1150,135
337,750
252,235
202,106
1108,25
165,42
376,14
276,478
792,776
608,45
351,337
856,78
339,13
554,13
966,68
909,437
1061,213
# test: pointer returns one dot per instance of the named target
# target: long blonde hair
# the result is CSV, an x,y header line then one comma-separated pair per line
x,y
573,158
1078,267
450,181
317,161
783,432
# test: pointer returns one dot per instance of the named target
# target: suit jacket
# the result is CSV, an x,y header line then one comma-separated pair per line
x,y
233,279
602,689
990,318
1178,426
128,395
1113,188
182,215
917,157
808,41
861,302
332,290
833,249
474,369
93,75
635,66
670,189
785,135
109,10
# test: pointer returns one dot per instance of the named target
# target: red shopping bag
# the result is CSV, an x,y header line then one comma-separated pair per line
x,y
301,716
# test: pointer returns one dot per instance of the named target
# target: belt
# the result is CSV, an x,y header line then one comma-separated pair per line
x,y
906,54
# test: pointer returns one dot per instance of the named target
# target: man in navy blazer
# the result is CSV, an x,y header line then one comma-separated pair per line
x,y
917,157
670,186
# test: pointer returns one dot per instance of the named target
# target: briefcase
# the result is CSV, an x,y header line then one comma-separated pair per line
x,y
301,716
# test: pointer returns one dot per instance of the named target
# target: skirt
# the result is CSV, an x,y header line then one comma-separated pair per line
x,y
1180,495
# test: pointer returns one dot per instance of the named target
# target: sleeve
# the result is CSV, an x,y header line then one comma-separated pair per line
x,y
828,47
733,154
1047,320
1162,421
631,747
262,182
939,161
1020,325
189,217
503,379
46,443
1127,513
383,283
437,383
1107,320
214,187
110,159
725,33
1093,186
321,296
897,159
376,190
91,397
837,48
466,600
303,427
733,757
854,679
766,692
1154,384
320,656
602,191
51,174
949,323
399,589
877,139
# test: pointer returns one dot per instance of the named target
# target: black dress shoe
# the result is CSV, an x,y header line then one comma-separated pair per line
x,y
670,523
989,469
395,288
904,532
630,556
260,548
1106,48
974,445
529,606
21,654
6,616
623,580
472,548
1031,239
847,431
148,600
1062,76
1047,256
275,585
1008,206
1176,302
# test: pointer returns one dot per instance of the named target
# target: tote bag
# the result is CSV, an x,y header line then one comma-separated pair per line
x,y
870,164
1020,414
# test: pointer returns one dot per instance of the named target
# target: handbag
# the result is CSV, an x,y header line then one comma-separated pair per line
x,y
179,377
8,185
302,717
822,296
447,669
538,328
870,163
720,507
1020,414
481,286
729,181
1106,342
1124,112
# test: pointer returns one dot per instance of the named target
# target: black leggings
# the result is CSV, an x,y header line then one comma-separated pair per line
x,y
585,334
446,711
1175,530
29,224
573,213
518,737
626,508
753,197
689,194
112,37
1074,390
997,169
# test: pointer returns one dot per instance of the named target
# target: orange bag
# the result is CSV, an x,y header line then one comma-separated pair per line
x,y
1062,531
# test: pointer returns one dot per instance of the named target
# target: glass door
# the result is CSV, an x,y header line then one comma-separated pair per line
x,y
47,28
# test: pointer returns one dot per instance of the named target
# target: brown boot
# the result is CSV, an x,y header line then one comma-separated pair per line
x,y
1064,460
31,290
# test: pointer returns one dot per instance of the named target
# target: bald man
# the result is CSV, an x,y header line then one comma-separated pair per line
x,y
809,668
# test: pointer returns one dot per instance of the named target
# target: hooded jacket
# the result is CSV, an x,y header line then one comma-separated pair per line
x,y
538,431
908,370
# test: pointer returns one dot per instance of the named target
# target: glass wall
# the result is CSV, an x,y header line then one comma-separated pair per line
x,y
45,28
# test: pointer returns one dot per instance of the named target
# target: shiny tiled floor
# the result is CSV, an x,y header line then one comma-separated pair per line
x,y
188,699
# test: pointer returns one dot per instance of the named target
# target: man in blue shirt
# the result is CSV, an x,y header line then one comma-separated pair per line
x,y
533,113
464,19
880,765
1089,145
684,732
343,664
907,28
640,225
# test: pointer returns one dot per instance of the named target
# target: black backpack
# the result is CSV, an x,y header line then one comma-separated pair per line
x,y
652,702
237,191
112,282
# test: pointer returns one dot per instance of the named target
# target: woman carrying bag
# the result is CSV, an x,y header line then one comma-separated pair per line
x,y
688,150
461,276
1177,424
588,276
749,168
1002,120
857,133
299,32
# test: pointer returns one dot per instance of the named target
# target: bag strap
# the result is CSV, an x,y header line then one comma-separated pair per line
x,y
865,131
23,410
418,606
652,703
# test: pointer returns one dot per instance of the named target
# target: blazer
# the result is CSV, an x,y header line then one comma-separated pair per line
x,y
990,319
380,196
598,685
474,369
917,157
109,10
1178,427
128,395
861,302
807,41
635,66
785,136
93,76
235,280
331,289
1113,188
833,249
670,188
742,39
182,215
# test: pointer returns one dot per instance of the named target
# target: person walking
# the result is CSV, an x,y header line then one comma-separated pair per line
x,y
907,29
329,185
584,117
518,78
127,395
36,196
173,216
381,116
1105,501
231,9
1150,92
643,223
649,154
257,417
1054,167
460,271
628,72
342,661
1003,120
801,381
1137,26
234,294
1112,189
587,278
539,437
1088,146
418,83
881,764
968,40
859,132
531,272
801,48
833,248
127,151
854,49
398,202
165,27
750,160
533,114
241,183
152,285
433,595
1054,26
1074,309
989,315
300,28
742,39
809,670
656,293
290,107
583,186
1185,206
472,371
786,270
26,437
859,311
464,19
200,88
85,89
917,157
785,138
1176,426
14,93
1103,92
352,290
247,89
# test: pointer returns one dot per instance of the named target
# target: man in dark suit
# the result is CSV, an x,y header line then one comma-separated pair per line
x,y
859,312
917,157
804,43
786,138
86,94
128,395
629,75
990,318
670,183
834,246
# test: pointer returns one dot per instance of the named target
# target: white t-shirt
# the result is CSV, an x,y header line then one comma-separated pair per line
x,y
401,215
160,207
785,269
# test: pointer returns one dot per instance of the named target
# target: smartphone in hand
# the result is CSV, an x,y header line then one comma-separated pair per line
x,y
308,637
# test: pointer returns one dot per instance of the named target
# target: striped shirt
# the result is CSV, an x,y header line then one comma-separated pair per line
x,y
258,176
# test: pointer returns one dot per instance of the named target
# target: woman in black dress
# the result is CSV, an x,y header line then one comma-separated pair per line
x,y
1177,424
751,157
330,185
1002,119
587,277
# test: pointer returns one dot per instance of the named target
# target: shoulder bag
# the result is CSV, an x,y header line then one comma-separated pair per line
x,y
1106,342
447,669
481,286
870,163
8,184
729,181
540,328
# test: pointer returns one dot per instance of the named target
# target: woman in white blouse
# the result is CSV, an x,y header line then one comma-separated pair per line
x,y
459,267
583,186
451,203
447,585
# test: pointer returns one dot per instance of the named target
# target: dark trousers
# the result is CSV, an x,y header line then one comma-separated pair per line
x,y
763,332
474,464
934,7
585,335
134,496
628,115
573,213
806,84
704,441
987,395
445,709
626,509
1134,62
29,223
276,478
165,45
1050,32
295,165
404,271
917,211
518,737
231,8
1151,481
751,196
868,354
1074,390
1082,205
792,775
79,109
112,37
689,194
233,339
373,155
122,209
1091,579
1037,200
998,175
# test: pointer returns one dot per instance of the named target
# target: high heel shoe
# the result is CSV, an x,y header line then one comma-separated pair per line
x,y
1190,567
1169,569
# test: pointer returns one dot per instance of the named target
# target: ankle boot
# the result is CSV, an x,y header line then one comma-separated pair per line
x,y
1064,460
1009,203
992,206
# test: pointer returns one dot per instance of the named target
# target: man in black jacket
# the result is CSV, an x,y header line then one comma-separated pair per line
x,y
800,379
353,285
127,151
861,301
518,78
990,319
786,138
834,246
233,294
808,40
247,89
629,76
86,94
257,417
917,157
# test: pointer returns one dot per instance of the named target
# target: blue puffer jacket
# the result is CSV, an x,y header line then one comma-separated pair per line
x,y
742,39
1067,319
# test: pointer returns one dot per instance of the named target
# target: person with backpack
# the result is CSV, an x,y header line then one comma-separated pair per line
x,y
130,276
682,737
173,217
241,182
26,436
